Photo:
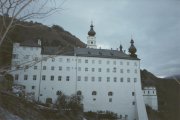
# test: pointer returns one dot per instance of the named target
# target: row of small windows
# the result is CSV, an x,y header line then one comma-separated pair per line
x,y
95,93
108,79
78,78
87,69
68,60
16,77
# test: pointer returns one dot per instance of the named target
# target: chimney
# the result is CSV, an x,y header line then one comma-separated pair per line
x,y
39,42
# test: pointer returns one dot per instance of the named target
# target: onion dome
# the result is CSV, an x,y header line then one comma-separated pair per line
x,y
91,32
132,49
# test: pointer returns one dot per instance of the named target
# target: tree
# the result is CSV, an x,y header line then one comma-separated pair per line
x,y
13,11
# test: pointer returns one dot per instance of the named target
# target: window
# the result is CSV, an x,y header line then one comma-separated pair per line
x,y
148,91
114,69
53,59
133,103
34,77
99,69
99,79
16,77
86,69
35,67
79,78
128,71
93,69
94,93
99,61
121,63
128,79
93,79
135,79
33,87
44,67
24,48
52,67
110,93
127,63
86,61
114,62
121,79
67,78
67,68
79,60
68,60
60,67
59,78
121,70
15,56
25,77
52,77
108,62
133,93
58,92
79,93
110,99
108,79
115,79
79,68
108,70
86,78
43,77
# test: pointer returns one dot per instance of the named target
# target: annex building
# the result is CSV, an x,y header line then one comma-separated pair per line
x,y
107,79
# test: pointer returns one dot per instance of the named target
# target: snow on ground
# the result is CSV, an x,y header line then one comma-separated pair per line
x,y
5,115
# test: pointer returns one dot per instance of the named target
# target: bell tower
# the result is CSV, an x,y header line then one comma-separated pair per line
x,y
91,39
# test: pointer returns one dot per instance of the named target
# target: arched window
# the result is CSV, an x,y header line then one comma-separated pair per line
x,y
79,92
110,93
94,93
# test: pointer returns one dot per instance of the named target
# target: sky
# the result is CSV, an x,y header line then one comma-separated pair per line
x,y
154,26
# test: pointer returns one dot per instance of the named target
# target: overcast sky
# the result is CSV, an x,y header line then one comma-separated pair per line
x,y
153,24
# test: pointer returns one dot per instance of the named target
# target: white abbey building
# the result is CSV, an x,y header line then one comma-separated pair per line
x,y
107,79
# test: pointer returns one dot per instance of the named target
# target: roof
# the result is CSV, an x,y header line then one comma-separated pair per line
x,y
29,43
101,53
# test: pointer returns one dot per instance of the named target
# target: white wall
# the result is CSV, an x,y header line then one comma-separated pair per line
x,y
150,97
122,98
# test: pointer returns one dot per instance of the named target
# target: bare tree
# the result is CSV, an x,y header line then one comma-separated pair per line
x,y
13,11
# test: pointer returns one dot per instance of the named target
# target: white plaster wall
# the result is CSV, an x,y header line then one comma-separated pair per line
x,y
122,91
150,97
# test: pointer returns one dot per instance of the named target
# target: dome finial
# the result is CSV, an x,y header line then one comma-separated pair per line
x,y
91,32
132,49
121,48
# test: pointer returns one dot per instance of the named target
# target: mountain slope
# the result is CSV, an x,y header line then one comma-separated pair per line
x,y
50,36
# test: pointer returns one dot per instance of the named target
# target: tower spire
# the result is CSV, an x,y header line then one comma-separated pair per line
x,y
91,42
132,49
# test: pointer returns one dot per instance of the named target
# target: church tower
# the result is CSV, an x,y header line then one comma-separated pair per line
x,y
91,39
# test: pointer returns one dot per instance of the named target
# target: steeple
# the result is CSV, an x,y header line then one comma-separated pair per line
x,y
132,49
120,47
91,39
91,31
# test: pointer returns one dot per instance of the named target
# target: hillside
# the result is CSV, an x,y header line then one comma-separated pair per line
x,y
168,91
50,36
